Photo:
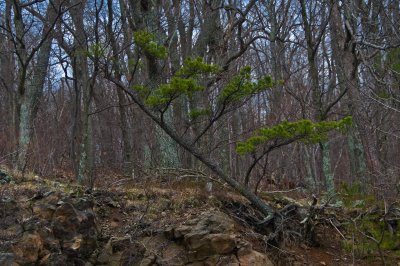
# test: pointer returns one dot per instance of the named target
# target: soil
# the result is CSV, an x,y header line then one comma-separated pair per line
x,y
126,207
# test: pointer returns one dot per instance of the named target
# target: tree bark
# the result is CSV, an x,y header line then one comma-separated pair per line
x,y
345,57
313,42
31,89
84,83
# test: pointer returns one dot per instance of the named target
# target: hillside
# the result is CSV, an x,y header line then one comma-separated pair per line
x,y
165,222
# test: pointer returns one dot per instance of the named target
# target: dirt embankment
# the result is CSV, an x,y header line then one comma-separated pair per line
x,y
45,222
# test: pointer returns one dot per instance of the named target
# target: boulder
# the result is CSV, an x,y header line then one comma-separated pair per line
x,y
149,260
229,260
121,251
9,207
55,235
206,223
44,211
76,230
254,258
62,230
209,245
210,239
27,250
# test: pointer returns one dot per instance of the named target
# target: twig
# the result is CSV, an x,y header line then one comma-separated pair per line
x,y
334,226
282,191
119,182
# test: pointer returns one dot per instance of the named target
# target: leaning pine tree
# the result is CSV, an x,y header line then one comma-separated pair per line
x,y
188,82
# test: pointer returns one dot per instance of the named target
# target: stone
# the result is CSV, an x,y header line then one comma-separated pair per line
x,y
55,259
206,223
9,207
106,254
55,230
32,224
120,251
44,211
209,239
7,259
172,254
112,203
202,246
73,244
12,232
254,258
120,243
44,259
195,263
66,221
194,239
207,235
149,260
216,260
82,204
77,230
243,247
222,243
131,256
54,198
178,233
28,248
215,222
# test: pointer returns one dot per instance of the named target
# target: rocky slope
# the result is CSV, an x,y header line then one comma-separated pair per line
x,y
156,222
50,223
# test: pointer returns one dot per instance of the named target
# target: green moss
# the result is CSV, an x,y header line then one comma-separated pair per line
x,y
354,197
370,230
375,228
347,246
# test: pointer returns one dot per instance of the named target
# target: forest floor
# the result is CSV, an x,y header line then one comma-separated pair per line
x,y
125,207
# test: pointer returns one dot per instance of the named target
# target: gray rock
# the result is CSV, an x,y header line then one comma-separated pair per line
x,y
7,259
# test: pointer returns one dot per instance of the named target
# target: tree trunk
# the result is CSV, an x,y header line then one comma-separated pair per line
x,y
30,91
323,157
126,130
344,55
264,208
85,85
